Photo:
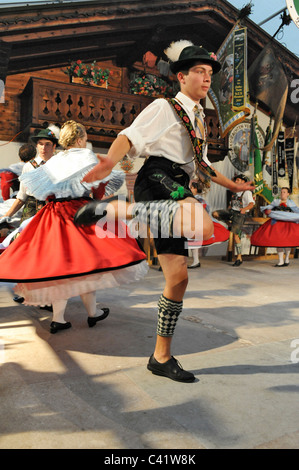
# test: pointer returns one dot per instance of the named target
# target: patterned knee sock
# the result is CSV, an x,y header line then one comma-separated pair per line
x,y
158,215
168,314
238,248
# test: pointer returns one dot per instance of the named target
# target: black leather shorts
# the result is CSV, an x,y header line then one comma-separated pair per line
x,y
156,180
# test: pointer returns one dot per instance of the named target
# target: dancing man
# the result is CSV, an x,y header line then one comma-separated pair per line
x,y
172,135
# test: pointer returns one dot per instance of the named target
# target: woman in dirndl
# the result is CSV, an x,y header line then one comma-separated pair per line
x,y
282,229
52,259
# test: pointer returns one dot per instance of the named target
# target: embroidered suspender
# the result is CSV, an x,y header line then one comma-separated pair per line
x,y
197,144
35,164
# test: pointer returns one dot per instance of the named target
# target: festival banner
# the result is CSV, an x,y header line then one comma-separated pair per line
x,y
260,187
268,83
256,157
228,91
281,155
267,166
296,169
290,157
239,97
275,190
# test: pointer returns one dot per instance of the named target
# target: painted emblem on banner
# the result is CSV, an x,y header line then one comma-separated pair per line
x,y
239,144
229,90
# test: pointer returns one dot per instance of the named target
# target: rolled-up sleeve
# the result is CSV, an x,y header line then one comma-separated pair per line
x,y
147,128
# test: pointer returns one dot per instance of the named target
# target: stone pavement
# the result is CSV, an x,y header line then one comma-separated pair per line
x,y
88,388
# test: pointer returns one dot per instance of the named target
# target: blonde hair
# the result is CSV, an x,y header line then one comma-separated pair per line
x,y
70,132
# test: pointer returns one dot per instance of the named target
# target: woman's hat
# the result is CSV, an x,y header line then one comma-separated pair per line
x,y
45,134
183,54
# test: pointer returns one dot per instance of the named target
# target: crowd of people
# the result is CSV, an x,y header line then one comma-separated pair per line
x,y
67,210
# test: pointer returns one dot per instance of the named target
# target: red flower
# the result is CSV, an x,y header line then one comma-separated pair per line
x,y
79,62
197,149
177,107
193,134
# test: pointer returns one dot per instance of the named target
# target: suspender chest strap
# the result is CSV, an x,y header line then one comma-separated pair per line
x,y
197,144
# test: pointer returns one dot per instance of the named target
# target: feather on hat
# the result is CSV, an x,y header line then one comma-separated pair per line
x,y
55,130
173,52
184,54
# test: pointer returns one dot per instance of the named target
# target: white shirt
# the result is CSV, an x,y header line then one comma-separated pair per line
x,y
23,192
247,198
158,131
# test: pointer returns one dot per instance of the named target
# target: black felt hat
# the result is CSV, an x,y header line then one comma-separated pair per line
x,y
192,54
241,177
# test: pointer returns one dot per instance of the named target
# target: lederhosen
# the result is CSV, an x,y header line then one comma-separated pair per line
x,y
32,205
160,178
237,219
233,216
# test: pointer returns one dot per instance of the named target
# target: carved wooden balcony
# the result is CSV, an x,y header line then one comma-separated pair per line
x,y
217,144
104,113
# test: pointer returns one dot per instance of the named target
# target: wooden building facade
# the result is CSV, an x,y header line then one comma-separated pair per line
x,y
38,42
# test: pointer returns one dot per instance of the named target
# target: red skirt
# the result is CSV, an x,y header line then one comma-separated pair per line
x,y
276,234
54,259
221,234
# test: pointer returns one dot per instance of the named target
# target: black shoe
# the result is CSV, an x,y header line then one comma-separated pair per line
x,y
93,320
286,264
47,307
92,212
55,326
192,266
18,299
171,369
238,262
279,265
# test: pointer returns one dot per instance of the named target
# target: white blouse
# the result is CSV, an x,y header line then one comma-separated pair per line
x,y
61,176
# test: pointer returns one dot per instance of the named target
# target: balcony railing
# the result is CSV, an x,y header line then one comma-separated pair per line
x,y
104,113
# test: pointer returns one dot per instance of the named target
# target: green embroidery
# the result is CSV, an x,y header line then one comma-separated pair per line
x,y
179,193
